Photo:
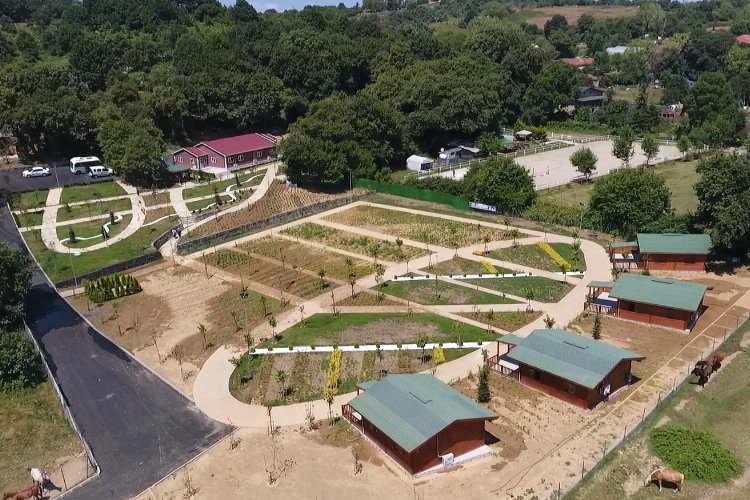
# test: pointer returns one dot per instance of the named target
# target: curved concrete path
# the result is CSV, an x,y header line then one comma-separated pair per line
x,y
211,389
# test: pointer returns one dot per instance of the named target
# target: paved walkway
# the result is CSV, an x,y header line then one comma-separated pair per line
x,y
211,388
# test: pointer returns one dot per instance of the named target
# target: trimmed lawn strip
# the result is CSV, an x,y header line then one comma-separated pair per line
x,y
428,292
27,219
544,289
92,228
92,209
575,259
35,431
29,199
72,194
207,189
194,206
526,255
158,213
57,265
510,321
324,328
459,266
351,242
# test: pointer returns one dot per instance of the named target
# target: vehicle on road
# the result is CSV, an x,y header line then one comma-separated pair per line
x,y
99,172
83,164
36,172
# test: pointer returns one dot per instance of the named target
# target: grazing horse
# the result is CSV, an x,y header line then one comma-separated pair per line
x,y
703,370
665,475
32,492
39,477
716,361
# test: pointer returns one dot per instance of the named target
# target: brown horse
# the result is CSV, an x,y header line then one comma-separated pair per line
x,y
31,492
668,476
703,369
716,361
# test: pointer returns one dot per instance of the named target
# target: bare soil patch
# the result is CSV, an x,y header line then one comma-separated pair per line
x,y
368,299
572,13
158,213
509,321
155,198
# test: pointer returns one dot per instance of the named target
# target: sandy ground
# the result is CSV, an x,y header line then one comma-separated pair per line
x,y
553,168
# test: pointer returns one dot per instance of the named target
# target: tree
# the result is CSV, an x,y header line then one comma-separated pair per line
x,y
555,87
529,295
500,182
549,322
272,323
684,145
483,390
20,364
322,275
133,147
622,148
627,200
597,331
248,342
281,379
675,88
421,343
490,143
16,270
584,160
650,147
202,331
712,106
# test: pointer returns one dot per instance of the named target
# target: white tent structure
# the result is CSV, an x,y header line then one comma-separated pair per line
x,y
417,163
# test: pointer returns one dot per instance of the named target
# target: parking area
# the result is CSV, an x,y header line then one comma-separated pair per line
x,y
12,178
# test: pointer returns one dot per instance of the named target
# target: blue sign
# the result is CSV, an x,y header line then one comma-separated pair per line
x,y
482,207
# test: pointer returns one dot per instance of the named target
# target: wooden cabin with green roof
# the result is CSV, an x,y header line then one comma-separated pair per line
x,y
662,252
579,370
419,421
648,299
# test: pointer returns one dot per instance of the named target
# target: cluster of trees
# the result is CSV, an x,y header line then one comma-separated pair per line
x,y
111,287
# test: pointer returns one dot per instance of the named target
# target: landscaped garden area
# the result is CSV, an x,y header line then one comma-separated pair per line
x,y
92,209
510,321
355,243
534,256
27,219
209,188
72,194
439,292
422,228
91,229
529,287
29,199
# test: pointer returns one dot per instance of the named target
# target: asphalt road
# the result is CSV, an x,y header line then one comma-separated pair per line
x,y
13,180
139,428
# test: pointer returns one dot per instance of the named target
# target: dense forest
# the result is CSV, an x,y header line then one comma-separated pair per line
x,y
357,90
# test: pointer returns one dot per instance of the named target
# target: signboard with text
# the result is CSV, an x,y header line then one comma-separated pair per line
x,y
482,207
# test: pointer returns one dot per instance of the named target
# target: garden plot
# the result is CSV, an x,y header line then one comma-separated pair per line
x,y
156,198
423,228
29,199
158,213
283,278
278,199
351,242
90,232
72,194
205,189
299,255
533,256
365,298
27,219
510,321
439,292
458,266
92,209
529,287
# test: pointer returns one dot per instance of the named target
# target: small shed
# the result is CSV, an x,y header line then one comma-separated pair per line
x,y
662,252
523,135
617,50
417,420
591,96
576,369
417,163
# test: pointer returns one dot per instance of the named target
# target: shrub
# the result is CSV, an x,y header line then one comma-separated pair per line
x,y
697,454
334,373
438,356
111,287
20,364
552,253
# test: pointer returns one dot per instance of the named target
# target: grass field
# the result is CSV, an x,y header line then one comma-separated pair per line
x,y
630,94
510,321
573,12
207,189
30,199
460,266
369,328
72,194
193,206
57,265
432,292
29,219
92,228
34,433
719,408
533,256
544,289
92,209
680,178
363,245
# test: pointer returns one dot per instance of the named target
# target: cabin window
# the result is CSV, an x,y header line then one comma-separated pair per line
x,y
213,159
669,313
192,161
178,158
630,306
569,387
240,158
535,374
259,154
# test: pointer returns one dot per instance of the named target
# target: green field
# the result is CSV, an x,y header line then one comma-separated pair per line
x,y
58,265
92,228
208,189
72,194
720,409
201,204
35,433
630,94
324,329
533,256
680,178
93,208
29,199
29,219
544,289
432,292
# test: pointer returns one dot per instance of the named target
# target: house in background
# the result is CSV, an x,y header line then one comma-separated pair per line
x,y
417,163
662,252
577,62
579,370
228,153
457,152
743,40
419,421
646,299
591,96
672,112
617,50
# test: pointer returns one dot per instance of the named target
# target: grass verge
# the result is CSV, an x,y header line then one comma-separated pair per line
x,y
92,228
543,289
432,292
92,209
72,194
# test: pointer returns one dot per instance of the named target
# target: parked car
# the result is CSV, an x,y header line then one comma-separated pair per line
x,y
100,172
36,172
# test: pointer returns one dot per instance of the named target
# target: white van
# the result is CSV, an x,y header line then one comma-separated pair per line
x,y
82,164
99,171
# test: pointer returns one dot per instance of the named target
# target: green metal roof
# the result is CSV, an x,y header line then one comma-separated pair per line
x,y
601,284
579,359
624,244
674,243
511,339
659,291
410,409
175,169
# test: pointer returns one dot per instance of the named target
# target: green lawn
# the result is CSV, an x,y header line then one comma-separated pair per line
x,y
29,219
630,94
35,433
680,177
533,256
29,199
207,189
544,289
201,204
509,321
92,209
323,329
431,292
57,265
574,258
72,194
92,228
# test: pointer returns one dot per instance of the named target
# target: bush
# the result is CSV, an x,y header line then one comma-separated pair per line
x,y
111,287
697,454
20,363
